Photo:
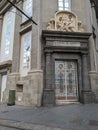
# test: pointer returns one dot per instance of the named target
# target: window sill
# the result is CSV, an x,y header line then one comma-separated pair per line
x,y
25,27
5,64
25,22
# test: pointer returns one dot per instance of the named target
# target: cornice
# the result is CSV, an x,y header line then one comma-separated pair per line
x,y
95,5
68,35
2,3
5,64
5,5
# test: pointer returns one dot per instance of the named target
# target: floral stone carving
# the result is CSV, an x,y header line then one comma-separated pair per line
x,y
65,21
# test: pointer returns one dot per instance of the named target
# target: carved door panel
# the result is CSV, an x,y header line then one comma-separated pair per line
x,y
66,82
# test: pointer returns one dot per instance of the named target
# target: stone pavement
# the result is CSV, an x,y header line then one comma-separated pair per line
x,y
67,117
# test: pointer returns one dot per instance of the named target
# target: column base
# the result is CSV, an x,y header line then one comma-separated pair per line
x,y
88,97
48,97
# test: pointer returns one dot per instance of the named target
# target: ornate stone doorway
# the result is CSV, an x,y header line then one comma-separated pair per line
x,y
66,68
66,81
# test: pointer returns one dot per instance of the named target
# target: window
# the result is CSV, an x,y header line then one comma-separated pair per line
x,y
7,36
3,85
64,4
27,8
25,53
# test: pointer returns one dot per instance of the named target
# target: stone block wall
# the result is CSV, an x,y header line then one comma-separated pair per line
x,y
94,83
11,85
31,95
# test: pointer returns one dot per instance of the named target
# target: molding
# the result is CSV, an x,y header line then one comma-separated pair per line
x,y
5,64
4,6
62,34
14,74
3,3
93,72
20,83
26,29
35,71
59,39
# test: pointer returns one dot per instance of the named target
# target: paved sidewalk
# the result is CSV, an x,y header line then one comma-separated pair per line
x,y
14,125
68,117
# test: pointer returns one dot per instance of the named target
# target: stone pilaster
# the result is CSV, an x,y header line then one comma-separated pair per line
x,y
49,95
94,83
36,74
86,84
48,71
88,96
33,88
16,45
36,37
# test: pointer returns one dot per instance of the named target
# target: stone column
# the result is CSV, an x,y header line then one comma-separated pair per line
x,y
49,95
88,96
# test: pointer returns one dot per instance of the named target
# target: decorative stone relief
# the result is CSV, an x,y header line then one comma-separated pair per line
x,y
65,21
51,24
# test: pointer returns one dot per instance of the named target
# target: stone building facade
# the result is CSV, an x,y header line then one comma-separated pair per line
x,y
53,62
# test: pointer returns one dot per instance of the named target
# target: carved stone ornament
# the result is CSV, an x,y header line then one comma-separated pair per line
x,y
65,21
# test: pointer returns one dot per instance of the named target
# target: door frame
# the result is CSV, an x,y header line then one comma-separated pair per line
x,y
64,44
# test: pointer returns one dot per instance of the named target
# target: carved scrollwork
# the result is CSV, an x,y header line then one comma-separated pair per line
x,y
65,21
51,24
80,27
